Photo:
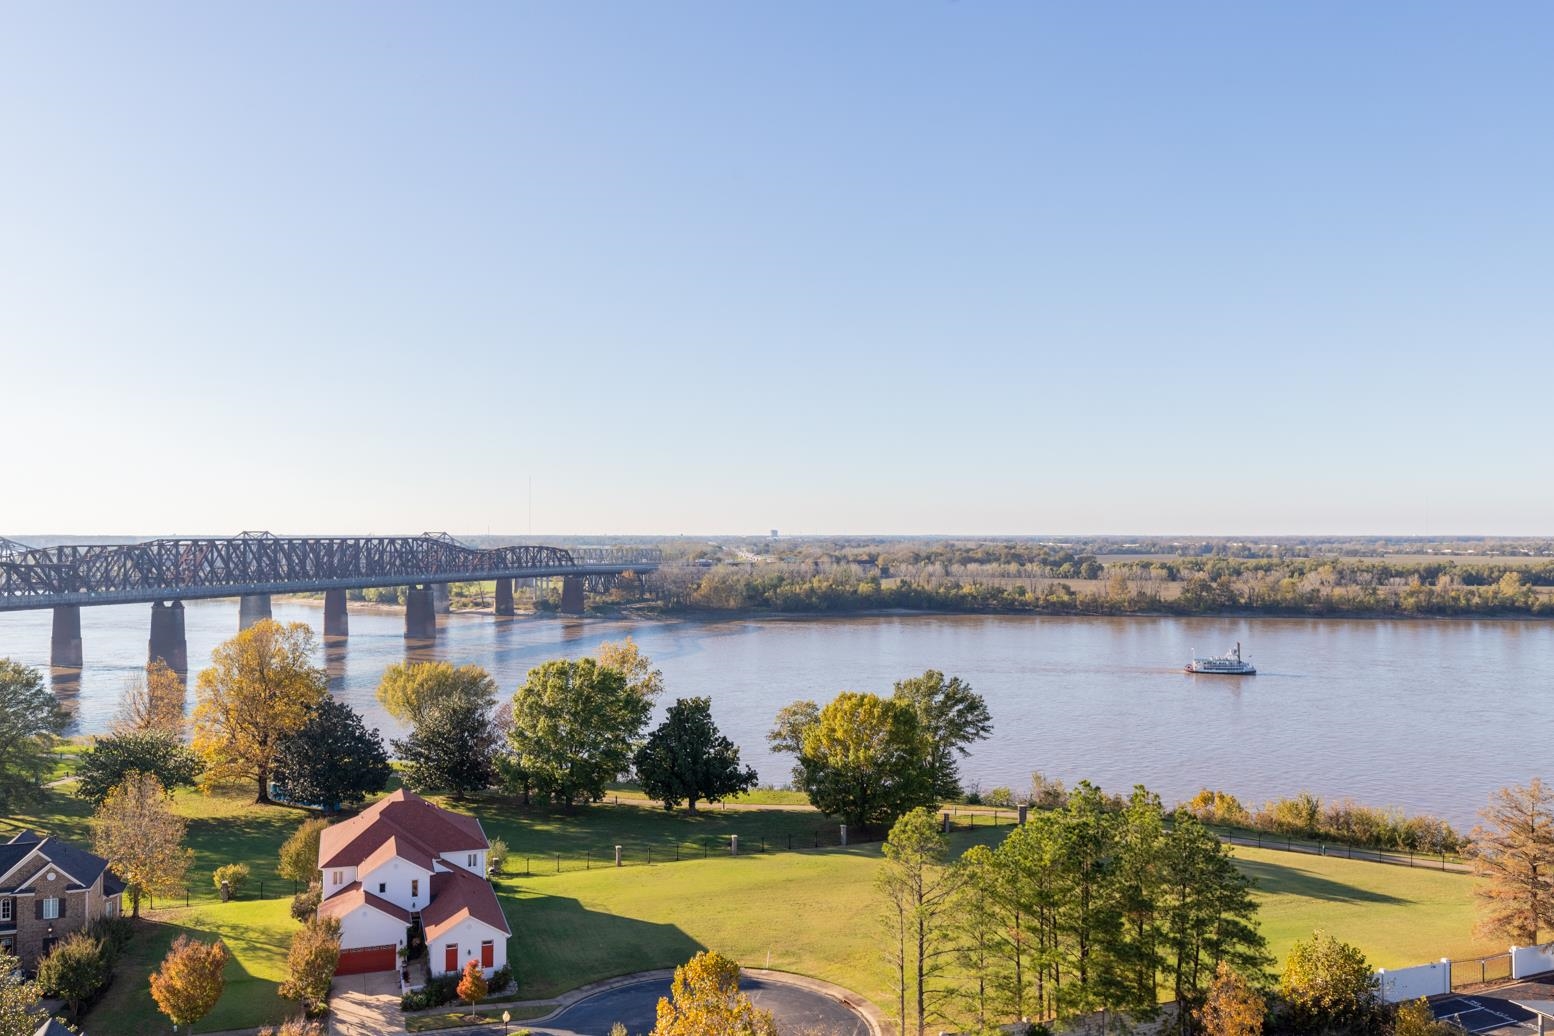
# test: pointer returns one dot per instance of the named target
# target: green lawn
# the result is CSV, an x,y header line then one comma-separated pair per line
x,y
814,913
811,912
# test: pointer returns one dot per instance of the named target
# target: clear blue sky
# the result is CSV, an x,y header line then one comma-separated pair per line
x,y
825,267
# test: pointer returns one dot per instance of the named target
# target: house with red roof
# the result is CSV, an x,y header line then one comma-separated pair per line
x,y
401,860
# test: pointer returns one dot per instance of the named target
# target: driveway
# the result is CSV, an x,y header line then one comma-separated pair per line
x,y
365,1005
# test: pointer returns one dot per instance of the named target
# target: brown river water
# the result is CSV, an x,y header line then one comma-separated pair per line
x,y
1429,715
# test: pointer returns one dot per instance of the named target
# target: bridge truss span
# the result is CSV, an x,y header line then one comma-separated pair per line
x,y
260,563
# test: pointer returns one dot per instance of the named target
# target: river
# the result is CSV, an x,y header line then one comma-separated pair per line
x,y
1428,715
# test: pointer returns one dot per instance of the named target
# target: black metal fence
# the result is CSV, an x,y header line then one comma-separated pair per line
x,y
1396,857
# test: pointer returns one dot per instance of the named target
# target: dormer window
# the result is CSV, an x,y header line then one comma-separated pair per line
x,y
339,876
415,887
471,861
382,887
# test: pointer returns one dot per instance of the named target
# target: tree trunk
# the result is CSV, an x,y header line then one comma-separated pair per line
x,y
690,805
264,786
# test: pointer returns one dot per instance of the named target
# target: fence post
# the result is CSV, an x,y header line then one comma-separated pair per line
x,y
733,845
618,856
588,860
790,840
844,834
1023,812
944,822
558,863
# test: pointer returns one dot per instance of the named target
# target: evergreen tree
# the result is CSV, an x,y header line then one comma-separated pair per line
x,y
919,889
104,766
333,760
686,758
452,749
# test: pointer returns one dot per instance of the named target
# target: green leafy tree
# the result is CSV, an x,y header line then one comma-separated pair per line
x,y
409,690
452,749
686,759
299,853
1416,1019
18,997
333,760
953,717
1207,916
1513,850
919,890
575,724
1330,986
104,766
30,719
863,758
76,969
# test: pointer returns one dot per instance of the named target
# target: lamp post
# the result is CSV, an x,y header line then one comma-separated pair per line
x,y
507,1016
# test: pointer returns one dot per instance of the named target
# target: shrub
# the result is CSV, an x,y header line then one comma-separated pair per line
x,y
235,875
440,990
501,978
299,856
305,903
1000,797
496,856
114,933
295,1027
76,970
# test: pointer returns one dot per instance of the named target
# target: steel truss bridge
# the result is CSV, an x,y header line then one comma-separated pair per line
x,y
261,563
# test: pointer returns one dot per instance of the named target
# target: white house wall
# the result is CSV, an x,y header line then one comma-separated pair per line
x,y
462,860
396,875
337,878
468,934
366,926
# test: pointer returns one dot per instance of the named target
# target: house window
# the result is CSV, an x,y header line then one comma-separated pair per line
x,y
338,876
5,909
108,905
472,861
415,887
50,908
382,887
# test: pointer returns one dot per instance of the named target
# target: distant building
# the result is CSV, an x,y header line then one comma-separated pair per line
x,y
774,534
48,889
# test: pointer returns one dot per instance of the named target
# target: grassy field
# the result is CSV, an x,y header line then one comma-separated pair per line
x,y
576,927
811,912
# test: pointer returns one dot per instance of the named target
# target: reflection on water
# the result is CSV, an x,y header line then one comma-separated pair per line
x,y
1429,715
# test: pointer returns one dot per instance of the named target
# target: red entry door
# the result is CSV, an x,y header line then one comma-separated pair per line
x,y
451,957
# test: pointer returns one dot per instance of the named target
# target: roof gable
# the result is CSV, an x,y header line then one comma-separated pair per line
x,y
458,894
433,829
78,864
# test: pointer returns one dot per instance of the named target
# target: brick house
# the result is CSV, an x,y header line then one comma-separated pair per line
x,y
48,889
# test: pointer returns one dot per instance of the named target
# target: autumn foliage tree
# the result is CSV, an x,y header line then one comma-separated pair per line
x,y
261,688
137,832
642,678
705,1001
311,963
1330,986
190,980
409,690
1513,849
1232,1007
472,984
299,853
153,702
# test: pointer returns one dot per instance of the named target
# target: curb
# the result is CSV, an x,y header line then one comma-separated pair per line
x,y
864,1008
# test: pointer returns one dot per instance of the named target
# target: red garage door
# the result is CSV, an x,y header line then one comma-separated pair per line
x,y
369,958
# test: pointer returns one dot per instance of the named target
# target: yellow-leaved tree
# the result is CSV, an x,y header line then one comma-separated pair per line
x,y
705,1001
260,688
190,980
137,832
154,701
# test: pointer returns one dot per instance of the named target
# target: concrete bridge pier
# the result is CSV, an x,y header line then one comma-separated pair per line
x,y
442,598
571,595
251,608
504,597
420,618
167,639
337,621
65,648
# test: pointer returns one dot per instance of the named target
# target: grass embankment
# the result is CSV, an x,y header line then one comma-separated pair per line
x,y
809,912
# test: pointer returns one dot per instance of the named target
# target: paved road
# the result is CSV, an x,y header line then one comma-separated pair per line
x,y
635,1006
